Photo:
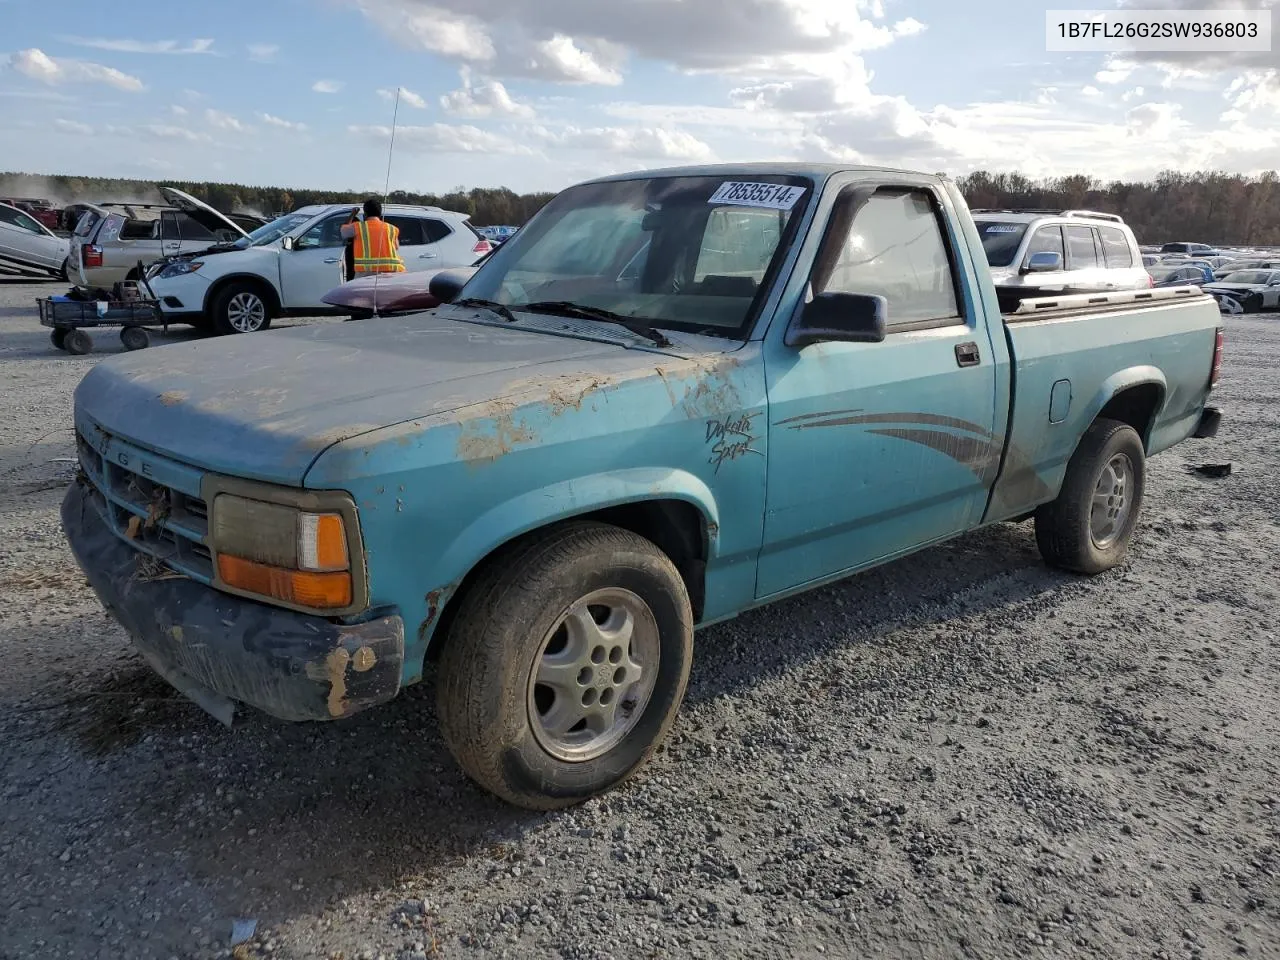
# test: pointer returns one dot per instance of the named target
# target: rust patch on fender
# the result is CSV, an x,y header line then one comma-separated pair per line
x,y
490,434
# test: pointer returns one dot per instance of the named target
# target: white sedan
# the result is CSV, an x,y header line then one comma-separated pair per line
x,y
1254,290
27,243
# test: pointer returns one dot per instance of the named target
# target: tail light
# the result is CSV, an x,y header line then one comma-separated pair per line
x,y
1151,281
1217,358
482,246
90,255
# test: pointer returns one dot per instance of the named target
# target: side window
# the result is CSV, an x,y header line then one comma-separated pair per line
x,y
1115,247
1048,240
896,249
9,216
410,230
326,233
1081,254
435,230
169,226
194,229
24,222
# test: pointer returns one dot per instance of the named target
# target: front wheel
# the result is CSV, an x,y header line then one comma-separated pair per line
x,y
240,309
1088,527
566,665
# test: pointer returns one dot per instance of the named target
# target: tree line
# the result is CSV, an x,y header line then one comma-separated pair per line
x,y
1208,207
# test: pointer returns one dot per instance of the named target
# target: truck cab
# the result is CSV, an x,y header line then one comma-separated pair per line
x,y
671,397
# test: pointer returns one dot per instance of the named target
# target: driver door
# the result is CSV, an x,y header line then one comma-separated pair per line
x,y
314,266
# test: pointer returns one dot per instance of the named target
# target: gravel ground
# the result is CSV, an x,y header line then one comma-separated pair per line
x,y
962,754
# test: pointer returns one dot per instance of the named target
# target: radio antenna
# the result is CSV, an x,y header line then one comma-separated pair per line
x,y
386,187
394,115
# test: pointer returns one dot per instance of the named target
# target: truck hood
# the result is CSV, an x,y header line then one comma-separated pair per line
x,y
265,405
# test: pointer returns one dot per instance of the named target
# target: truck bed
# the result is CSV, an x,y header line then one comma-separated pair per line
x,y
1061,307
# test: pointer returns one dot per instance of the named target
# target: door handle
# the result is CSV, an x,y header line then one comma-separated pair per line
x,y
967,354
172,246
334,260
426,256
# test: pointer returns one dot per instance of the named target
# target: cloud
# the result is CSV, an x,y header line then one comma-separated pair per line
x,y
1091,91
1116,70
846,86
1155,121
483,98
164,131
562,59
263,52
641,143
1255,90
73,126
274,121
201,46
38,65
327,86
178,110
587,41
1197,65
224,121
445,138
406,96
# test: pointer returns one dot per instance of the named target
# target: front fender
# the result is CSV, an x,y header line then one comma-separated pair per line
x,y
558,502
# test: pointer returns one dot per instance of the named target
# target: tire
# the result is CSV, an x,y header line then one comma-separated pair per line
x,y
135,338
64,271
361,315
240,308
58,337
77,343
495,715
1252,303
1077,534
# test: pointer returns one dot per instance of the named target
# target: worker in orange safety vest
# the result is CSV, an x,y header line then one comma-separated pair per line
x,y
375,243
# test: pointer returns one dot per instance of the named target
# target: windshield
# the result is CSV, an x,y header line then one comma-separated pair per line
x,y
682,253
1248,276
1000,241
1167,273
274,230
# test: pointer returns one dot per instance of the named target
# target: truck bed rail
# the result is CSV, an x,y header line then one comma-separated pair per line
x,y
1033,308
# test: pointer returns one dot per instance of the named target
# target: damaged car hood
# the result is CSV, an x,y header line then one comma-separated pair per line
x,y
264,406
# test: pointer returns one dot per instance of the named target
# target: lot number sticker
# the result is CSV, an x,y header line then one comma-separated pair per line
x,y
771,196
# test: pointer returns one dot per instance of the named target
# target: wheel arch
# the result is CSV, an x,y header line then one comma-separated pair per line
x,y
681,520
1134,396
259,282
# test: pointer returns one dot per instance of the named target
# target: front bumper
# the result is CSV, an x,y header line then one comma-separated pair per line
x,y
218,649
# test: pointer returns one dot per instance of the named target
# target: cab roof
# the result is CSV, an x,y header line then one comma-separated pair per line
x,y
819,172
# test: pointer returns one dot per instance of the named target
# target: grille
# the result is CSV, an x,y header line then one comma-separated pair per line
x,y
167,521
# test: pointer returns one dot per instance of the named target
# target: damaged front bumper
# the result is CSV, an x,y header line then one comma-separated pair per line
x,y
218,649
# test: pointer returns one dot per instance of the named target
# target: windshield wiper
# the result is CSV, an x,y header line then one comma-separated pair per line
x,y
501,309
634,324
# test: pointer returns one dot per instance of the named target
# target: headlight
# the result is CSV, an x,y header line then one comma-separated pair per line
x,y
297,556
181,268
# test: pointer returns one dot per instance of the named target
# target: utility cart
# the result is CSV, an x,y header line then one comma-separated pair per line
x,y
127,308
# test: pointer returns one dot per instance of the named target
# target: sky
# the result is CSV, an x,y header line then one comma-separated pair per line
x,y
539,94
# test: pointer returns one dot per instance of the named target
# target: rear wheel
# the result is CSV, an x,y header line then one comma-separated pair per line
x,y
135,338
565,665
240,308
1252,303
1088,528
58,337
77,343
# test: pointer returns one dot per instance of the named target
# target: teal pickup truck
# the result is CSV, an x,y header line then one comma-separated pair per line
x,y
673,396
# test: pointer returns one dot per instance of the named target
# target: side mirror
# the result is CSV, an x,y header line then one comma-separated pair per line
x,y
1044,262
447,284
840,317
287,243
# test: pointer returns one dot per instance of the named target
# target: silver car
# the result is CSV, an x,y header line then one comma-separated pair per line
x,y
112,239
1034,253
28,244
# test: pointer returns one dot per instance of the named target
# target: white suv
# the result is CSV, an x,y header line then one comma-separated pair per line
x,y
287,266
1035,253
